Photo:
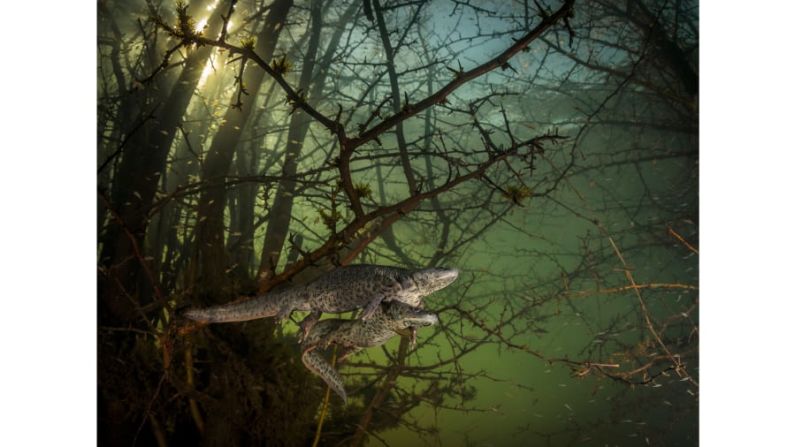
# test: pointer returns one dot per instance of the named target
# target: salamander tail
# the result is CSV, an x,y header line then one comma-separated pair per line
x,y
243,310
318,365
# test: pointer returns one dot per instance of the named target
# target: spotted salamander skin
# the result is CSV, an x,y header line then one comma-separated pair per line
x,y
349,336
345,289
318,365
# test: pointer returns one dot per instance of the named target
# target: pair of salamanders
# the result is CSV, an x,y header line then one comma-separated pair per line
x,y
390,299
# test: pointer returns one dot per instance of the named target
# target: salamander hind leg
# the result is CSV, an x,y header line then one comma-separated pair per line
x,y
371,307
284,313
347,352
307,324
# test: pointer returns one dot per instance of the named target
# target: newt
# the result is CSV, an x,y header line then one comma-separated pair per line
x,y
390,319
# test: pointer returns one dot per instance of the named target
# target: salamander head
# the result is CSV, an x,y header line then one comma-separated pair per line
x,y
402,316
429,280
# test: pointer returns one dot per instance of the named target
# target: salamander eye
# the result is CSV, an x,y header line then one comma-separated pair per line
x,y
406,283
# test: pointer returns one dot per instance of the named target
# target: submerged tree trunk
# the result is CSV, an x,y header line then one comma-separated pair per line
x,y
187,163
241,238
134,187
395,90
281,211
388,235
212,258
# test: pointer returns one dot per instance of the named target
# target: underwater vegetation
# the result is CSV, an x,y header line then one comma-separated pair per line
x,y
264,164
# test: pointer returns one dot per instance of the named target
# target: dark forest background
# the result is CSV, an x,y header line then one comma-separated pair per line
x,y
547,149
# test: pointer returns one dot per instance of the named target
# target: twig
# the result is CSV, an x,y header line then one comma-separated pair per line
x,y
194,408
326,399
682,240
136,249
147,413
675,359
126,138
611,290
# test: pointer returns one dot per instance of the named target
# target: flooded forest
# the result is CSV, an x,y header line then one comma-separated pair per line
x,y
546,149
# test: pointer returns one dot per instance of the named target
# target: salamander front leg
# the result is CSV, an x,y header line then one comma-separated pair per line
x,y
307,324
